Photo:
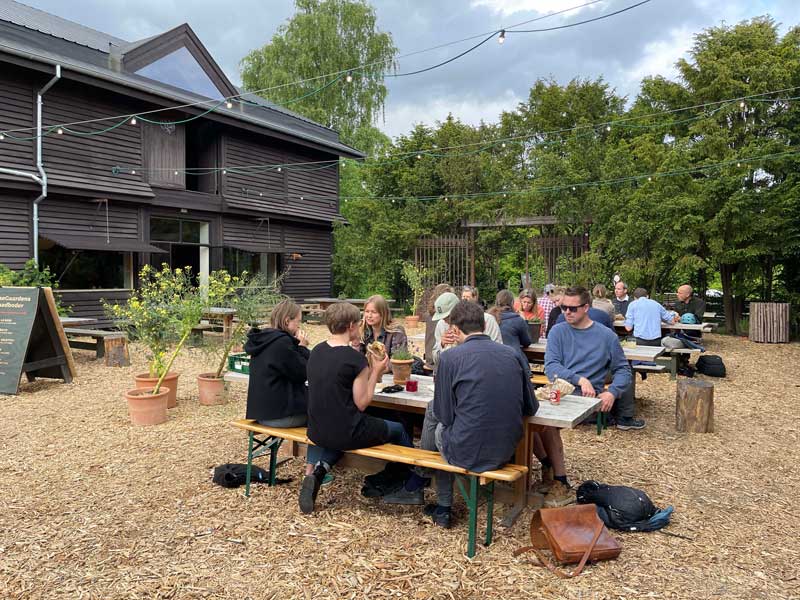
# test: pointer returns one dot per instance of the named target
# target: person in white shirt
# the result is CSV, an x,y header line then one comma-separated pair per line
x,y
443,337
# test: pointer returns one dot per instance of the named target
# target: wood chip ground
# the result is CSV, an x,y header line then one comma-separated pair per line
x,y
91,507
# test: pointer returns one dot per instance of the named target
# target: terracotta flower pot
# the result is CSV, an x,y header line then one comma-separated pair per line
x,y
143,380
212,389
412,322
146,408
401,370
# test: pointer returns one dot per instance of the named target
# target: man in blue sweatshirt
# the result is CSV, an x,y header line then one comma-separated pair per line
x,y
584,352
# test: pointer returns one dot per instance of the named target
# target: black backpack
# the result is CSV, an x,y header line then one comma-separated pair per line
x,y
232,475
622,507
711,365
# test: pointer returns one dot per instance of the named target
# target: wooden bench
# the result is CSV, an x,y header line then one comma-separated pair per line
x,y
196,335
670,358
478,484
649,368
100,337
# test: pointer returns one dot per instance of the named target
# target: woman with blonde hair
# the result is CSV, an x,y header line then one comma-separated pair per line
x,y
378,326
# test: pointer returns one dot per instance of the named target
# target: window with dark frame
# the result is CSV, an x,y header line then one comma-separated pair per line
x,y
85,269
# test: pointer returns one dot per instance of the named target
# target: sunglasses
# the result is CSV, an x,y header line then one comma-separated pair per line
x,y
572,309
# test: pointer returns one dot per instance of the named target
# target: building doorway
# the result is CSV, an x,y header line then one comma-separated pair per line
x,y
187,243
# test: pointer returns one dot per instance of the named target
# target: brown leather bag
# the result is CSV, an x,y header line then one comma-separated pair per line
x,y
575,534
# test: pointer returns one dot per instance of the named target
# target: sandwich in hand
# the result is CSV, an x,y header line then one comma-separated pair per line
x,y
377,350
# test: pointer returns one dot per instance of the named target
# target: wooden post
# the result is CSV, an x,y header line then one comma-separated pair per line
x,y
694,406
116,351
769,322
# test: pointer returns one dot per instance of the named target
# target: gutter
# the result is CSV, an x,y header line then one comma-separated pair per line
x,y
42,180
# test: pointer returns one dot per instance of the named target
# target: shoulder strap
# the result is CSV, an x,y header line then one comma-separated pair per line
x,y
545,562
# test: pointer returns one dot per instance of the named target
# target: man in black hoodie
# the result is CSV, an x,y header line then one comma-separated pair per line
x,y
277,395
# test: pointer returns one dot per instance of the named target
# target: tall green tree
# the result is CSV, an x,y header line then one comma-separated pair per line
x,y
324,37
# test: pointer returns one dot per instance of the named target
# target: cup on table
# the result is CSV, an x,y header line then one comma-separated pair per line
x,y
411,385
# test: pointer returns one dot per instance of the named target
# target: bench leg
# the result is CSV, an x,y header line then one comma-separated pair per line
x,y
471,498
602,421
273,460
249,464
101,348
489,489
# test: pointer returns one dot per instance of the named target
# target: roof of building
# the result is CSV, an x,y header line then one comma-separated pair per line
x,y
44,37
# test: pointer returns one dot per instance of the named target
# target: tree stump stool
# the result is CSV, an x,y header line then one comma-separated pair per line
x,y
694,406
116,351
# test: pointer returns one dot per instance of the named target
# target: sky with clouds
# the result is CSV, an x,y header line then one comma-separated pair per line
x,y
622,49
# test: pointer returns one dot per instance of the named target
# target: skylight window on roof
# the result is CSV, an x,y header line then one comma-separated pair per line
x,y
180,69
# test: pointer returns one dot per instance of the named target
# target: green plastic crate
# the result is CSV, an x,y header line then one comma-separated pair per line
x,y
239,362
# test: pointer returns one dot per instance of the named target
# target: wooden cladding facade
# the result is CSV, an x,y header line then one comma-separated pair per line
x,y
256,210
305,191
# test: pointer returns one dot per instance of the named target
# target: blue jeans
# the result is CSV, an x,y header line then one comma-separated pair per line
x,y
396,435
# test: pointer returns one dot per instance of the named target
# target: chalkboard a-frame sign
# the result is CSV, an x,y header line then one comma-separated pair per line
x,y
32,340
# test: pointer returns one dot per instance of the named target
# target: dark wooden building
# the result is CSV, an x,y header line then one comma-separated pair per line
x,y
185,193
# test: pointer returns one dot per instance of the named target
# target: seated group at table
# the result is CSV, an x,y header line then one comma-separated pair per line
x,y
482,392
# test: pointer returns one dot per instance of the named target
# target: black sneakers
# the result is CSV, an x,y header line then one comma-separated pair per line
x,y
310,488
441,515
630,423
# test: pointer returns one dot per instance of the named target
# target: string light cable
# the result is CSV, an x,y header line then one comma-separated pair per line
x,y
483,145
345,73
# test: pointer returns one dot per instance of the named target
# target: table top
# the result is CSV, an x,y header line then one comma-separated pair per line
x,y
417,337
569,413
645,353
218,310
76,321
619,326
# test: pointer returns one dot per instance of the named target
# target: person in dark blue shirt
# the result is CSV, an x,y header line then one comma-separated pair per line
x,y
481,396
513,328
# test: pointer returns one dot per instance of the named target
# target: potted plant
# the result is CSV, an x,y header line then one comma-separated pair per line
x,y
252,297
414,278
401,360
160,314
534,329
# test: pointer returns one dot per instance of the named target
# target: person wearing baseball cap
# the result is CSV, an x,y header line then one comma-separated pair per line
x,y
443,337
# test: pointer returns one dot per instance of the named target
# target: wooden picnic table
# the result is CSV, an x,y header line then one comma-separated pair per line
x,y
535,352
619,327
226,314
568,414
326,302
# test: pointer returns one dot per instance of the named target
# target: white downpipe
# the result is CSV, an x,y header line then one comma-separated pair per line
x,y
42,175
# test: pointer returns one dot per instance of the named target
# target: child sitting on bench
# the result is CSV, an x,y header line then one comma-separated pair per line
x,y
340,387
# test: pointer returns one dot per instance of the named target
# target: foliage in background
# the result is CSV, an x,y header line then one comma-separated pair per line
x,y
31,276
326,36
252,297
160,313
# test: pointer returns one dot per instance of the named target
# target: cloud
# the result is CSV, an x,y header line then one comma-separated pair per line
x,y
401,117
511,7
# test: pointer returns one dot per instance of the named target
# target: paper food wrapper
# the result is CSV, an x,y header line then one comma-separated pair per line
x,y
565,387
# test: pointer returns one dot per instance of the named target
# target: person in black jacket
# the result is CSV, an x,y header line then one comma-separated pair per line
x,y
277,395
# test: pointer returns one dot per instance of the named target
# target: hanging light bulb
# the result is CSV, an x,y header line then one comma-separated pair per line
x,y
502,37
738,164
260,194
133,120
649,179
301,197
279,169
224,171
228,104
133,171
503,145
741,104
419,156
573,188
175,172
349,78
2,137
608,127
59,131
